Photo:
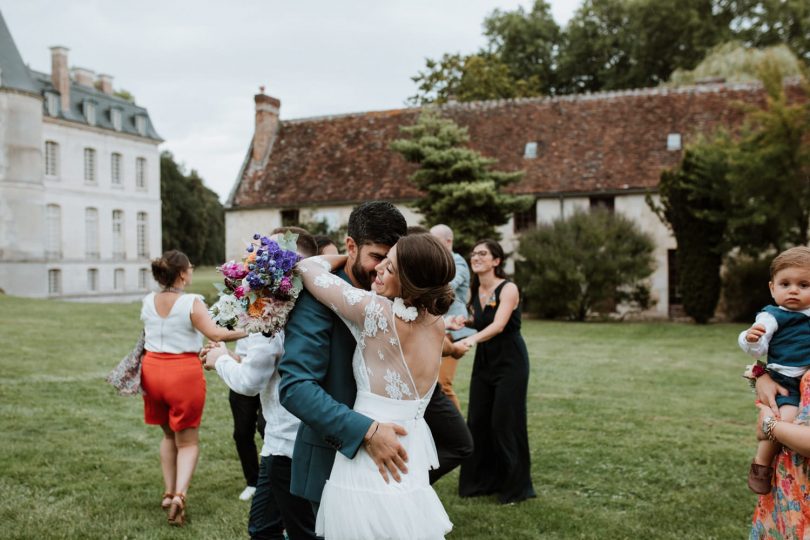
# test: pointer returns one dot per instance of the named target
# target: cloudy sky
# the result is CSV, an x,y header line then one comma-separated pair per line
x,y
195,65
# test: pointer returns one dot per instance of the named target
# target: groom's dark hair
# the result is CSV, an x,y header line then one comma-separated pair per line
x,y
376,222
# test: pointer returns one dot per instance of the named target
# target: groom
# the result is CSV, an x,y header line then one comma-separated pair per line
x,y
317,383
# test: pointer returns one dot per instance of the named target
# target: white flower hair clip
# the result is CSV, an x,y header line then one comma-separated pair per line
x,y
404,312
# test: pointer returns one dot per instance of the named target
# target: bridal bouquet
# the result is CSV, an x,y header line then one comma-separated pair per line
x,y
259,292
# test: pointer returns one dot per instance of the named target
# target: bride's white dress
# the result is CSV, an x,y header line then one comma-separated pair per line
x,y
357,503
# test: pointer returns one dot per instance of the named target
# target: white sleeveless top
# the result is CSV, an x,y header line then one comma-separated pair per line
x,y
174,333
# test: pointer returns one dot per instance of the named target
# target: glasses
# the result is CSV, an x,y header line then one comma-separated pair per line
x,y
479,254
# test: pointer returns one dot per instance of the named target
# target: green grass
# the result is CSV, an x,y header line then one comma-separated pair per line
x,y
637,430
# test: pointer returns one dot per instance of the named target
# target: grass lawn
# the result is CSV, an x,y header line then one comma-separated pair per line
x,y
637,430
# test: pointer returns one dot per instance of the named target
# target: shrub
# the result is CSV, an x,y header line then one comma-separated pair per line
x,y
590,259
745,287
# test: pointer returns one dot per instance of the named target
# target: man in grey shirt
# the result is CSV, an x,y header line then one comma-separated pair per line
x,y
461,287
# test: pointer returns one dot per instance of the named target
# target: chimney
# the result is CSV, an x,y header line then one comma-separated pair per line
x,y
60,76
84,77
267,109
105,83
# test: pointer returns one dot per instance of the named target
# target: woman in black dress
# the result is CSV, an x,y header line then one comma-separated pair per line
x,y
500,462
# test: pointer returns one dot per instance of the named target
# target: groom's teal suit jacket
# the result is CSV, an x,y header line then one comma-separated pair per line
x,y
317,385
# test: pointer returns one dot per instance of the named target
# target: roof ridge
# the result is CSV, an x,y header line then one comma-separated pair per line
x,y
586,96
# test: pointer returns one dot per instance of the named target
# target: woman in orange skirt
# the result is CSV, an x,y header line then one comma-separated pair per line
x,y
171,375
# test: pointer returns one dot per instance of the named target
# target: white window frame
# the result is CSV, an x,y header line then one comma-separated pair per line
x,y
116,165
92,279
91,233
118,236
90,174
140,124
140,173
143,278
52,103
115,119
530,150
89,110
51,159
119,279
54,281
674,142
143,235
53,231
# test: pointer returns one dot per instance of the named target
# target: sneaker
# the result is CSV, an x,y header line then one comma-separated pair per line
x,y
759,478
247,493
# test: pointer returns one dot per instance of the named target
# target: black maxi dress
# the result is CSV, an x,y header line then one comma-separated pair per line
x,y
500,462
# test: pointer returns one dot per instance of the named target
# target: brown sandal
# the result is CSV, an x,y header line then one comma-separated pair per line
x,y
177,510
168,496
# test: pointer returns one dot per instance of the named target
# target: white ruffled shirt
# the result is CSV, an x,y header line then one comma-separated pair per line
x,y
257,374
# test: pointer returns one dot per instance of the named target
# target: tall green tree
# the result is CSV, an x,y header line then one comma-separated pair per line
x,y
770,172
469,78
607,45
572,265
762,23
460,188
615,44
518,61
193,217
527,42
695,203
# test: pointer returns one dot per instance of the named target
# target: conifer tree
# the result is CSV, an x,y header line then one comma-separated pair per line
x,y
460,189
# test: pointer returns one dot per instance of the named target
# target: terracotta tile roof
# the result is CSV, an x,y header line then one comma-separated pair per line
x,y
606,142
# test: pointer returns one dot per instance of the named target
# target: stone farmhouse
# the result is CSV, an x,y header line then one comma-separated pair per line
x,y
578,152
79,183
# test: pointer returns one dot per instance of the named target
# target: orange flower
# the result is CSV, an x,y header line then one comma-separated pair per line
x,y
256,309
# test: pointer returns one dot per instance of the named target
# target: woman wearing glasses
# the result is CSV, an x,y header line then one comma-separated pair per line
x,y
500,463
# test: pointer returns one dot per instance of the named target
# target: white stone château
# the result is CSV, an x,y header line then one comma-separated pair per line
x,y
80,210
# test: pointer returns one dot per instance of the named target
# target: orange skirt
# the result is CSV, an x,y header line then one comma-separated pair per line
x,y
175,389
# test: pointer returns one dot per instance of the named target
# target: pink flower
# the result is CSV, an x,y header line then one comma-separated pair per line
x,y
233,270
285,285
239,292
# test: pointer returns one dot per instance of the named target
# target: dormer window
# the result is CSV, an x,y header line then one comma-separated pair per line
x,y
90,112
115,119
140,124
52,104
674,142
530,151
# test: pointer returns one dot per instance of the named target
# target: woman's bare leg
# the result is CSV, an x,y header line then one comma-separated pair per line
x,y
168,458
188,451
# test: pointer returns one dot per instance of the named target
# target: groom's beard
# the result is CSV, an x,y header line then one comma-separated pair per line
x,y
362,277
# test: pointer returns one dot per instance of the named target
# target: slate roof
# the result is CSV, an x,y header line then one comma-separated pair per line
x,y
16,75
104,104
610,142
13,71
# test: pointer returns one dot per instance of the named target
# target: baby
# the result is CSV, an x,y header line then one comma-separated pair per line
x,y
783,333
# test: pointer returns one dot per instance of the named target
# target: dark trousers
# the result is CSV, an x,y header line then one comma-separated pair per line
x,y
274,508
454,442
247,420
501,462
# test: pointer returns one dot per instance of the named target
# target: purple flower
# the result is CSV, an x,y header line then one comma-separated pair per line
x,y
255,281
285,285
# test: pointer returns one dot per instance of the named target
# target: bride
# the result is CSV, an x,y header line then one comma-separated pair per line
x,y
399,332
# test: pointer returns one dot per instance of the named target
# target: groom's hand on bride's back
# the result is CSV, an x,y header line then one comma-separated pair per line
x,y
382,444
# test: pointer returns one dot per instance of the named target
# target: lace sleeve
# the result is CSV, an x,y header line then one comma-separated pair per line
x,y
371,319
349,302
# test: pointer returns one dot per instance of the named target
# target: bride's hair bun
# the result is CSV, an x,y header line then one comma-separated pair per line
x,y
426,268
